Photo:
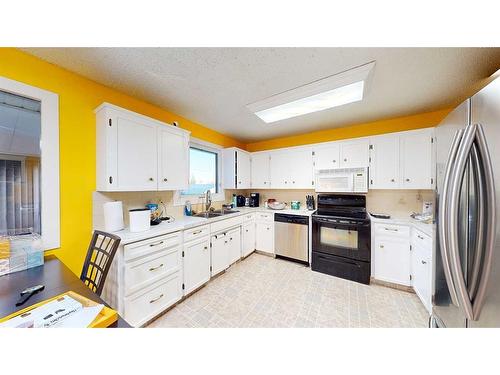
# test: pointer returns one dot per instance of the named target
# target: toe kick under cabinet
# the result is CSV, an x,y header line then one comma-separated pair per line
x,y
146,278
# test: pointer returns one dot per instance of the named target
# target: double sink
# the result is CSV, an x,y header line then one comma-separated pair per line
x,y
215,213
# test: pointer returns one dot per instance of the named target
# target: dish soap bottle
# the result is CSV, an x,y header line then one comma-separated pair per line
x,y
234,201
187,209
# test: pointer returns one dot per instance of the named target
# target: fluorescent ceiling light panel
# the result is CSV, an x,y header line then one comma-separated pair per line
x,y
333,91
319,102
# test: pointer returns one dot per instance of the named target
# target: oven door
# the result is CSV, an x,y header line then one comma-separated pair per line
x,y
342,237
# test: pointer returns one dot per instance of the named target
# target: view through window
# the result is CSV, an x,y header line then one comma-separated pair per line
x,y
20,130
203,166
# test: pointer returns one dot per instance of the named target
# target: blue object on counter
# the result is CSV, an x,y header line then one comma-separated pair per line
x,y
187,209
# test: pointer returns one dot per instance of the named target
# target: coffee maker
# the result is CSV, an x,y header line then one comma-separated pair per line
x,y
254,200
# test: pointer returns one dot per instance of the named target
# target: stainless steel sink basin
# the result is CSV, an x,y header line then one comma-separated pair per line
x,y
216,213
226,212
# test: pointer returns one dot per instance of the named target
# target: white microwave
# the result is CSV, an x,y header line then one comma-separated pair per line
x,y
342,180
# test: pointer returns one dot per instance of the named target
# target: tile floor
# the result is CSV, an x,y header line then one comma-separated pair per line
x,y
261,291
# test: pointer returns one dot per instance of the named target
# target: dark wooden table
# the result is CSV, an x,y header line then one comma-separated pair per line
x,y
57,279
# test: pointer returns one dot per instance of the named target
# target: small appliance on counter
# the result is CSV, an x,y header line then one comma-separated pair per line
x,y
295,205
254,200
113,216
240,201
310,203
139,219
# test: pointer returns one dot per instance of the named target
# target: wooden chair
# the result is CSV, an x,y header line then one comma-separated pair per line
x,y
100,254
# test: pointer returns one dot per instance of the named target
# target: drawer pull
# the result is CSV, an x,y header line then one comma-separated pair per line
x,y
424,262
197,232
155,268
156,243
419,236
381,246
205,247
392,229
156,299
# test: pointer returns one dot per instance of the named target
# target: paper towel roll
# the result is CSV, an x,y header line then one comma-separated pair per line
x,y
113,216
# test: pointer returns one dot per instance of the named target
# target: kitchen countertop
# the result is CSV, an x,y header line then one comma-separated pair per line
x,y
423,227
187,222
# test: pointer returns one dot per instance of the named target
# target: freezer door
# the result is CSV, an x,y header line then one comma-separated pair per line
x,y
445,308
486,111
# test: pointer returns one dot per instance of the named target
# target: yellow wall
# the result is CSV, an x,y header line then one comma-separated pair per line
x,y
424,120
78,97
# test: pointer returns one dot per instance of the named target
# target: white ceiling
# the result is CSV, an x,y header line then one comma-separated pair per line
x,y
212,86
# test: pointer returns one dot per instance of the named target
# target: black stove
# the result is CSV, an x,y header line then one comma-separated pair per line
x,y
341,244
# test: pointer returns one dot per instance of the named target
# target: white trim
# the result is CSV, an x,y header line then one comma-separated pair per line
x,y
49,145
196,199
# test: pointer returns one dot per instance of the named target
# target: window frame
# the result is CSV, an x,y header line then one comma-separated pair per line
x,y
49,155
180,200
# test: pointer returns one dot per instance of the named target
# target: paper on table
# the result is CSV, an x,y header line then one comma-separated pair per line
x,y
82,318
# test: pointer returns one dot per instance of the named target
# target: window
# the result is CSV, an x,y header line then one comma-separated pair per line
x,y
205,173
20,128
202,172
29,161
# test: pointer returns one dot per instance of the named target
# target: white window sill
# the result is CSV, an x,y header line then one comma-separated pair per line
x,y
195,199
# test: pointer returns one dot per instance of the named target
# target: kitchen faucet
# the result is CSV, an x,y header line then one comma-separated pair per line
x,y
208,200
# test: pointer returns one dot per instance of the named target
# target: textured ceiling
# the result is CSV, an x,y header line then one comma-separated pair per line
x,y
212,86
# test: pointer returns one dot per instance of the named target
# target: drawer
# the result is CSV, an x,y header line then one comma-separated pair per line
x,y
266,217
222,225
195,233
147,303
421,239
248,217
146,247
144,271
392,230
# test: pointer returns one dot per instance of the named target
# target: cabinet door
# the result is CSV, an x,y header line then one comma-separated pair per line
x,y
327,157
264,240
173,160
243,170
384,162
421,274
234,245
392,260
300,169
260,171
248,239
196,263
137,155
354,154
219,254
280,168
416,160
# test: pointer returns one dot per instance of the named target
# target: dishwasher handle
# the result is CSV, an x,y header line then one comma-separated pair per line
x,y
292,219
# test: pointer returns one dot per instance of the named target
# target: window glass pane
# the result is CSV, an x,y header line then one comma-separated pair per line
x,y
20,128
202,172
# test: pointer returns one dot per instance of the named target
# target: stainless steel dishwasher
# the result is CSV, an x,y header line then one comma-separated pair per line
x,y
291,237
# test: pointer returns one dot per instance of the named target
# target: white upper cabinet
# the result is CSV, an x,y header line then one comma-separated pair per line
x,y
354,154
260,171
292,169
236,169
384,162
173,163
417,159
138,153
327,156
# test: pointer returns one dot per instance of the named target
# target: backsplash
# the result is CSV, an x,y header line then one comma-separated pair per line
x,y
397,203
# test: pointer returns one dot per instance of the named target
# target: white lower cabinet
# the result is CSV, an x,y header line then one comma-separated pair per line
x,y
247,238
196,263
219,253
264,237
421,267
392,253
234,245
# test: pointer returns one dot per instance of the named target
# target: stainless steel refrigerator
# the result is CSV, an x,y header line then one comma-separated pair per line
x,y
466,274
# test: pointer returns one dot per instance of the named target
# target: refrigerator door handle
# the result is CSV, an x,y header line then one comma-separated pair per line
x,y
490,204
456,180
478,169
443,228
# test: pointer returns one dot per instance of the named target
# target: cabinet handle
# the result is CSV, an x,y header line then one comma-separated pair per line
x,y
392,180
345,159
205,248
165,179
225,241
424,262
151,179
239,182
267,228
155,244
110,179
407,180
197,232
285,182
265,182
392,229
334,160
293,182
155,268
419,236
246,230
231,239
156,299
381,246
